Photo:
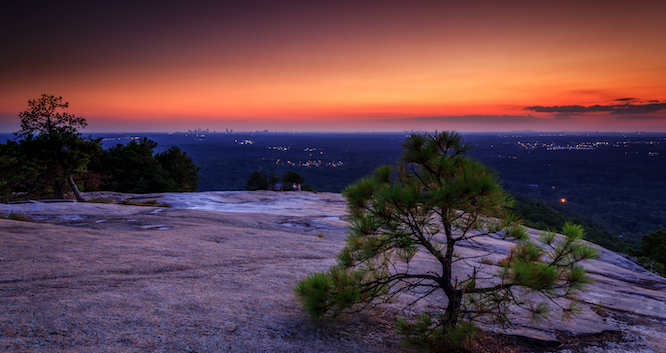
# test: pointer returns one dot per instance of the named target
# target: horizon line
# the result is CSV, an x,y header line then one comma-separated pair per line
x,y
366,132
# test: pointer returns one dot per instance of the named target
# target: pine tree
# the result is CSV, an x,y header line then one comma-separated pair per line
x,y
436,199
51,138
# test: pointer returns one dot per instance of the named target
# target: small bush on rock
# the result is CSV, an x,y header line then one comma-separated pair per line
x,y
17,216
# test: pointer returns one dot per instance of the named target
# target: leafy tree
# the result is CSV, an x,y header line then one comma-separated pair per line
x,y
257,181
290,178
10,170
133,168
52,149
59,158
180,167
652,252
272,180
436,199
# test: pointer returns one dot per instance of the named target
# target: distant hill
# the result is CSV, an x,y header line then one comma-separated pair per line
x,y
539,215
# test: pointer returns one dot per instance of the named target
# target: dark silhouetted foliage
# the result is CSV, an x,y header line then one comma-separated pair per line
x,y
43,118
180,168
257,181
134,168
652,252
289,178
51,155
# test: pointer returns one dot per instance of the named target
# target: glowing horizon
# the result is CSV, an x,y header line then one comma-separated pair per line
x,y
308,67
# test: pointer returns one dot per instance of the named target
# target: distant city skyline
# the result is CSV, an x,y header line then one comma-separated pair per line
x,y
478,66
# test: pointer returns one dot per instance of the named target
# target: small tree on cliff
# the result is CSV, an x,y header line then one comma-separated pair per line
x,y
42,117
433,201
57,145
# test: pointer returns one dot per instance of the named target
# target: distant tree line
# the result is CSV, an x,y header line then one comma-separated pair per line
x,y
50,158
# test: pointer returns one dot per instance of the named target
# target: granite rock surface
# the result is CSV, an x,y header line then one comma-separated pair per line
x,y
214,271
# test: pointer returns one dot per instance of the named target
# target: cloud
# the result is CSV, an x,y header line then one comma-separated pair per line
x,y
639,117
610,108
476,118
625,99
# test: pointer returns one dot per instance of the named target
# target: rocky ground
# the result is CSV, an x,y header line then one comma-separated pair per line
x,y
215,271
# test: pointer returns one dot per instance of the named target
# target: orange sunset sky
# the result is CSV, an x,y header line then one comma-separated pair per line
x,y
340,66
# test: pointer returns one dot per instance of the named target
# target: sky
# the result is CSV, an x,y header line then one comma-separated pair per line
x,y
469,66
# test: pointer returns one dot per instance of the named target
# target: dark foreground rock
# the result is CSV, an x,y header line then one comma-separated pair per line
x,y
215,272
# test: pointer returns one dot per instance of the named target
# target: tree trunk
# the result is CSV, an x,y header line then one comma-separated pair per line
x,y
75,189
59,190
453,309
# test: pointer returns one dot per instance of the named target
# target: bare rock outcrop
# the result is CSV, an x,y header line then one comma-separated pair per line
x,y
215,271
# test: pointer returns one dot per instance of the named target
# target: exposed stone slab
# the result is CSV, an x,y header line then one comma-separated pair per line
x,y
216,270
